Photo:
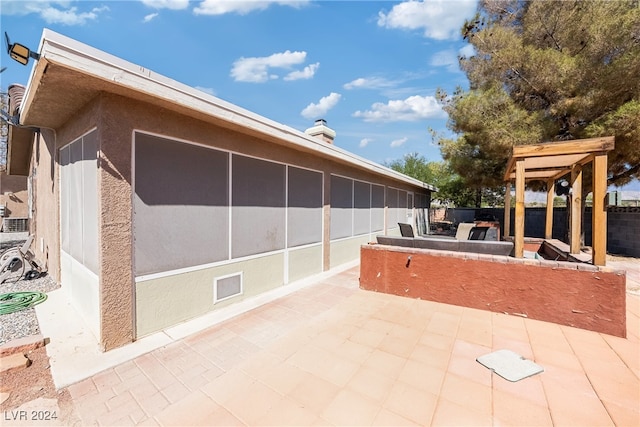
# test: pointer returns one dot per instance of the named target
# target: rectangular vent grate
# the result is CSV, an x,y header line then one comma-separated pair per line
x,y
226,287
14,224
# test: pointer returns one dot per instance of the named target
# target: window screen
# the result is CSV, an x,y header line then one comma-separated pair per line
x,y
304,207
377,208
79,200
181,213
258,200
341,207
362,204
392,208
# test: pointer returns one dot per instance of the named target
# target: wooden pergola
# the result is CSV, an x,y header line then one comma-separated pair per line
x,y
549,162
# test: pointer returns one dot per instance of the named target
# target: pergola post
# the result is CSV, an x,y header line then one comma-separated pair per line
x,y
576,209
519,224
506,227
548,224
599,213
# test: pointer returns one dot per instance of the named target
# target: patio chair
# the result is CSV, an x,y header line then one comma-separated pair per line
x,y
14,260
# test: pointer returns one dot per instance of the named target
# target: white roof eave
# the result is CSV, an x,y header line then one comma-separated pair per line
x,y
65,51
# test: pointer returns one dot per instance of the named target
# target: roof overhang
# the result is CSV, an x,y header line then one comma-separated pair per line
x,y
553,160
69,74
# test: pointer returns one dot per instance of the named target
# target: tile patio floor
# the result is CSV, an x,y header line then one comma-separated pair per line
x,y
332,354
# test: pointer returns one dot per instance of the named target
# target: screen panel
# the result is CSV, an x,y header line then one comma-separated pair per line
x,y
258,200
90,200
181,213
392,208
377,207
64,197
341,207
304,219
362,207
75,200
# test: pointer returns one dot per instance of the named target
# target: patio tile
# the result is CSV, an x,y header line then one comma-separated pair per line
x,y
371,383
437,341
623,415
411,403
444,324
466,393
422,376
431,356
611,382
523,348
511,410
283,377
449,413
628,351
350,408
385,363
545,356
367,337
106,380
397,346
572,401
386,418
194,409
251,405
528,389
228,385
260,363
287,412
314,393
82,388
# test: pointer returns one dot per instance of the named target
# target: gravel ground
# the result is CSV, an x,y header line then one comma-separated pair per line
x,y
23,323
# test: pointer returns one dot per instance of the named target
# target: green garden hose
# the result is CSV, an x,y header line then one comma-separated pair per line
x,y
16,301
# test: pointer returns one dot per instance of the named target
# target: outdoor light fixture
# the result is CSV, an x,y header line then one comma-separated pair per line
x,y
19,52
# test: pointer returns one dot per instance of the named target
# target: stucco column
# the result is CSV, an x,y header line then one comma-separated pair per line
x,y
115,229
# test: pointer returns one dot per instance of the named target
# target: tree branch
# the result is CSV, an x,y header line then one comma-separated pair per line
x,y
625,174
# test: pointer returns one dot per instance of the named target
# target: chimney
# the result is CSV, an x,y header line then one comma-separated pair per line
x,y
320,130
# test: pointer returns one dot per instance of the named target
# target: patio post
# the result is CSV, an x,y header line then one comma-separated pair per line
x,y
519,229
599,212
548,225
506,227
576,209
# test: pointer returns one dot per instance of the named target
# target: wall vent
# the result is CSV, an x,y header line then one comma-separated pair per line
x,y
225,287
14,225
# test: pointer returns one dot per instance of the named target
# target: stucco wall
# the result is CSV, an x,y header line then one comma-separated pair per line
x,y
571,294
13,195
116,118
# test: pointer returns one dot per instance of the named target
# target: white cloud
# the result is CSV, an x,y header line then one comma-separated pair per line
x,y
322,107
369,83
241,7
308,72
150,17
408,110
167,4
256,69
446,58
208,90
364,142
439,19
398,142
52,12
468,51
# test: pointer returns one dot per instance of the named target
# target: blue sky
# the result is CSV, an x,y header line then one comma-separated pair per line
x,y
370,68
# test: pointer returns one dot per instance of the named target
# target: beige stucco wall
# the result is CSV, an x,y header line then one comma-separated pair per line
x,y
126,309
346,250
166,301
14,195
304,262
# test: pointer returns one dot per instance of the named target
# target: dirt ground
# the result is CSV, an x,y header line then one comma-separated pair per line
x,y
31,383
